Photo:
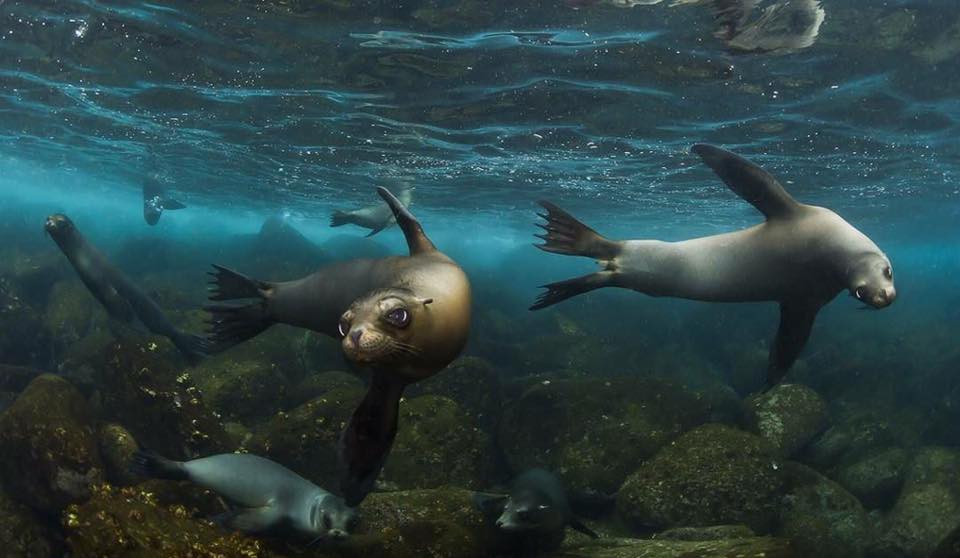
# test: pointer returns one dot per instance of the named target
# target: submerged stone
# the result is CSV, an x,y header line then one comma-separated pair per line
x,y
26,534
50,447
470,381
788,416
877,478
739,547
117,447
716,532
712,475
318,384
25,340
241,389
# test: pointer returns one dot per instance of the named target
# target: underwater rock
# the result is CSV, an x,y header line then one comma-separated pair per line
x,y
438,444
315,385
117,446
470,381
50,432
820,517
766,547
240,389
928,507
25,340
849,439
305,439
24,533
712,475
159,405
788,416
130,522
16,378
593,432
714,533
70,313
877,478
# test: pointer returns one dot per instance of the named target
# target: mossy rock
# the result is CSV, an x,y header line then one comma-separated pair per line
x,y
50,444
788,416
71,312
437,444
117,446
928,507
470,381
26,534
593,432
711,475
157,403
241,390
712,533
25,341
740,547
820,517
876,479
318,384
306,438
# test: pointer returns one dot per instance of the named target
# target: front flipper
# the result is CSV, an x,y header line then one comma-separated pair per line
x,y
367,440
250,520
417,240
749,181
578,525
490,505
796,321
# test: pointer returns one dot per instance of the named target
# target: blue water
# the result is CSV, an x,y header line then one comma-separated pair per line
x,y
299,108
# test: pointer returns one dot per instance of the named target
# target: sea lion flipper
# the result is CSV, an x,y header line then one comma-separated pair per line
x,y
340,218
749,181
417,240
249,520
380,228
366,442
796,321
233,324
562,290
172,204
578,525
566,235
490,505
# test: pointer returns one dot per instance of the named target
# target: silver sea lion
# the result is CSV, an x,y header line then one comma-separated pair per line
x,y
269,498
374,217
782,27
802,256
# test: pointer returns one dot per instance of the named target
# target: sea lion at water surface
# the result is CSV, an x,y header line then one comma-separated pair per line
x,y
270,498
404,317
801,257
122,299
374,217
156,200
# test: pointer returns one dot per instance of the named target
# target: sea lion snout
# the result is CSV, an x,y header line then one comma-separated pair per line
x,y
884,297
56,222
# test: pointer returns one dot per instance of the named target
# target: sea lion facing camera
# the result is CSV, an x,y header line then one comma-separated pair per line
x,y
122,299
801,257
404,317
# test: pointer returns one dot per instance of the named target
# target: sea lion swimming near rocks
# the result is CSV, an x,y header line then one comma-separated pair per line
x,y
404,317
534,514
374,217
156,200
122,299
270,499
801,257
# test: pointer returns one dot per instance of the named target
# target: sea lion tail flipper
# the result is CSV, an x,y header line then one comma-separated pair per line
x,y
340,218
148,464
562,290
417,240
749,181
231,325
566,235
193,347
367,439
228,284
796,321
172,204
578,525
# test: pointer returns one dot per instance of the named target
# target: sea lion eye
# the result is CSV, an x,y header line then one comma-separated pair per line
x,y
343,327
887,272
860,293
399,317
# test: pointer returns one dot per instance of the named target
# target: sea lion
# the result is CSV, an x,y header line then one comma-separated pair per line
x,y
374,217
782,27
535,513
801,257
122,299
270,499
404,317
156,200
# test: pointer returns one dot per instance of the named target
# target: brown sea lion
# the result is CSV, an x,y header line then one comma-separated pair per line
x,y
404,317
801,257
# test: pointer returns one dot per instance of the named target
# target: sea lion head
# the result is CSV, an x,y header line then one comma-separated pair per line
x,y
381,327
152,209
525,512
331,518
871,280
60,228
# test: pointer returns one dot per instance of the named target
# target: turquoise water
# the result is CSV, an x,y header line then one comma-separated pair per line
x,y
250,110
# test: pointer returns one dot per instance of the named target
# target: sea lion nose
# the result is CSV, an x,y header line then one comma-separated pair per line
x,y
355,336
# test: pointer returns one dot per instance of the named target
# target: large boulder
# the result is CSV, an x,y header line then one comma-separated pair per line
x,y
50,446
928,507
766,547
788,416
117,447
470,381
594,432
712,475
241,390
314,385
25,340
876,479
26,534
820,517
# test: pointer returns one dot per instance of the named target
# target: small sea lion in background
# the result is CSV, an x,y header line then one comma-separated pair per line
x,y
270,499
404,317
801,257
782,27
374,217
156,200
122,299
534,514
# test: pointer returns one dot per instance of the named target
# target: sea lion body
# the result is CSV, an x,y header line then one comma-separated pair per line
x,y
270,498
802,256
374,217
156,200
121,297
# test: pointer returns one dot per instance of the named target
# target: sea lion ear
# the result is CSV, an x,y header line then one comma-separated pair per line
x,y
425,301
417,240
749,181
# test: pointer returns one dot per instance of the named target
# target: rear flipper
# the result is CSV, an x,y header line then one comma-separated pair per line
x,y
233,324
193,347
366,442
562,290
171,204
577,525
340,218
566,235
149,464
